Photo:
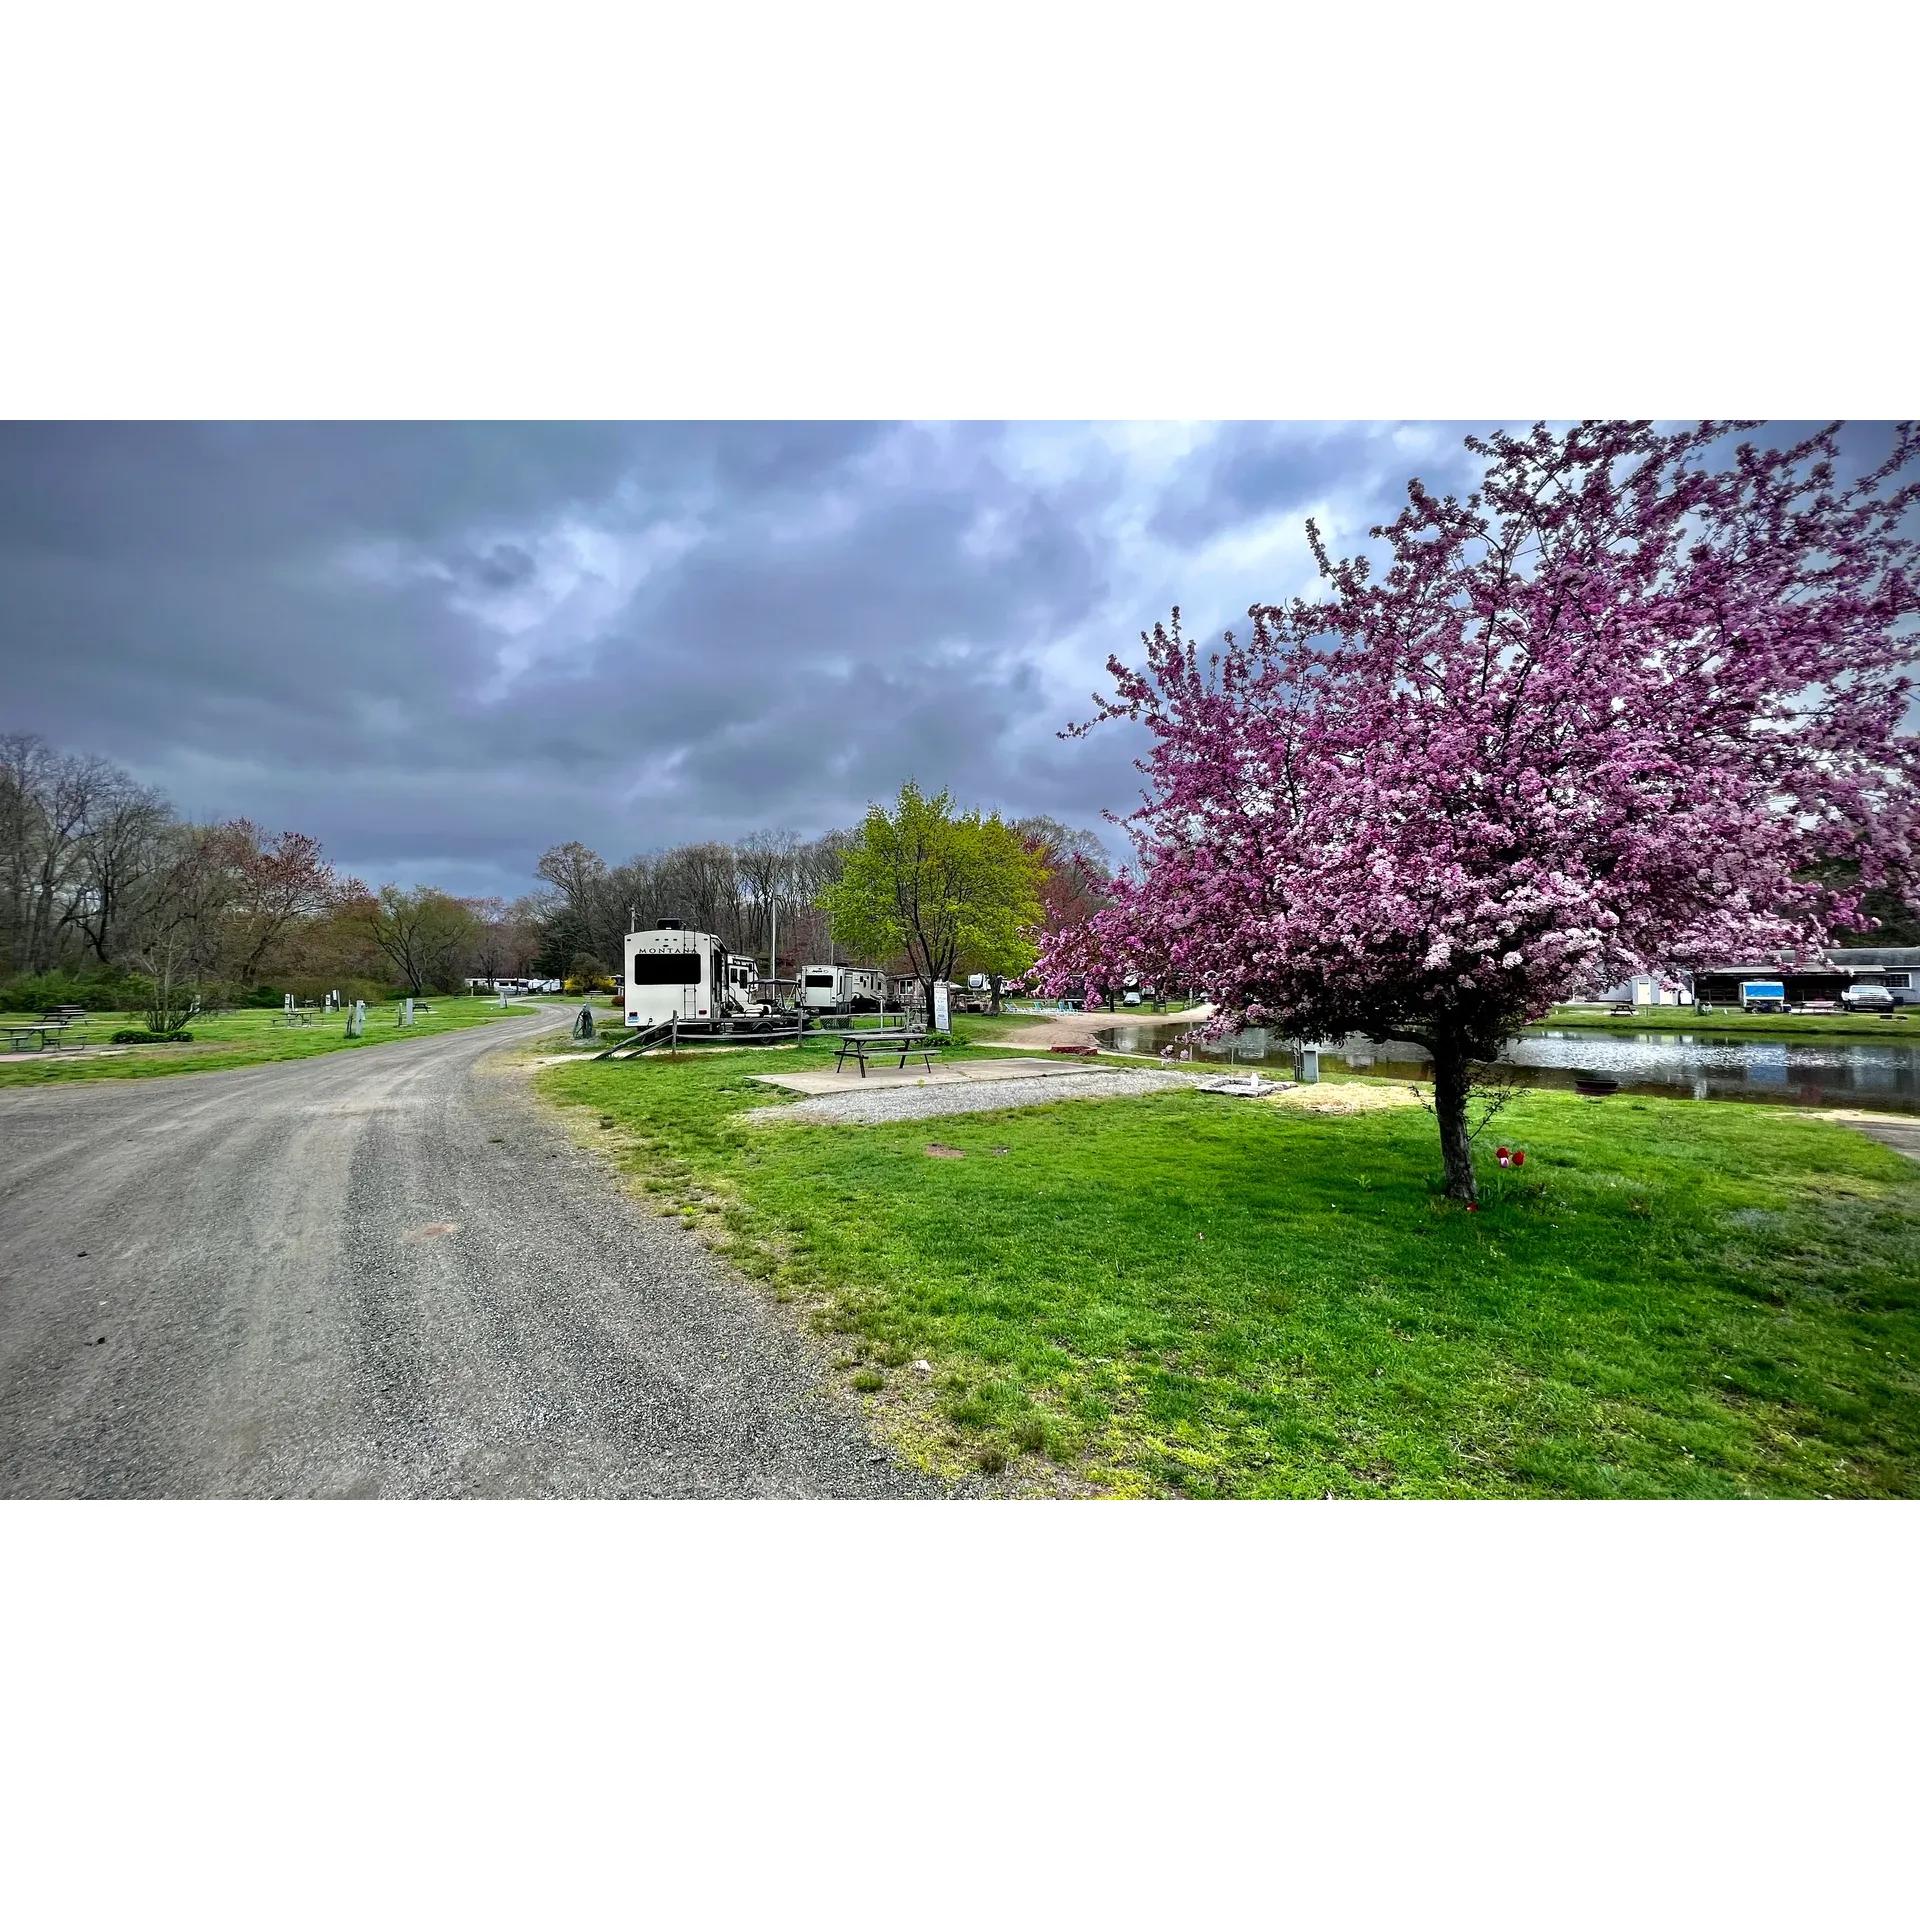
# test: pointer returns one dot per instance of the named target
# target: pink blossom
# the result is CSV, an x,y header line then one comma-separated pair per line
x,y
1606,715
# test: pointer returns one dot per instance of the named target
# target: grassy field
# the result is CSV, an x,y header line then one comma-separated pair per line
x,y
247,1038
1732,1024
1181,1294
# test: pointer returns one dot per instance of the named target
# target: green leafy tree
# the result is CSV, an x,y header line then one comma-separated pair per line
x,y
937,888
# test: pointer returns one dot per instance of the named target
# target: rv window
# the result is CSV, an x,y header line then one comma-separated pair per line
x,y
819,979
666,969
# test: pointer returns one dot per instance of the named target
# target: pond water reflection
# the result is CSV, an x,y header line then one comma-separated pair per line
x,y
1681,1065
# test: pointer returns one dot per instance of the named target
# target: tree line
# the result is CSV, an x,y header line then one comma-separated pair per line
x,y
110,897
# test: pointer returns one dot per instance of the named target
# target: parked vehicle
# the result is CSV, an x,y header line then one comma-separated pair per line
x,y
1762,996
1867,999
673,972
833,989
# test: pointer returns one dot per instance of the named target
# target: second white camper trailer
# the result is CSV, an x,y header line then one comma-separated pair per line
x,y
842,990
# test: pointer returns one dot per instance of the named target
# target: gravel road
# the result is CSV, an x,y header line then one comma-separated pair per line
x,y
881,1104
381,1273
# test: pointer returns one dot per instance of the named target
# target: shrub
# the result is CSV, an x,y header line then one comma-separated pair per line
x,y
140,1037
42,992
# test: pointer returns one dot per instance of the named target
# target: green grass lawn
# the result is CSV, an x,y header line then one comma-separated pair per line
x,y
247,1038
1183,1294
1730,1023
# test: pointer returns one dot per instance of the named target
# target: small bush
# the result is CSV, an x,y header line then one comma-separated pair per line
x,y
140,1037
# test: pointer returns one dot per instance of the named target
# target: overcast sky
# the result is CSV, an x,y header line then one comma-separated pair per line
x,y
445,648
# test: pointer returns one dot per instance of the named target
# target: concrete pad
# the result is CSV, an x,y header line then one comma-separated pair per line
x,y
879,1078
1241,1086
51,1054
1898,1131
1903,1136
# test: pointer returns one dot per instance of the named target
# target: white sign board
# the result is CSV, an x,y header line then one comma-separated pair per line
x,y
942,1011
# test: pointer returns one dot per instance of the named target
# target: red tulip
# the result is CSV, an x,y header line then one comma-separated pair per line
x,y
1519,1158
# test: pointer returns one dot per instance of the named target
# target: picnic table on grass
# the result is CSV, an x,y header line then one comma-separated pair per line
x,y
863,1046
45,1035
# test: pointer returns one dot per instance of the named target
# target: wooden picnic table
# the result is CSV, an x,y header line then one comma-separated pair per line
x,y
859,1046
43,1033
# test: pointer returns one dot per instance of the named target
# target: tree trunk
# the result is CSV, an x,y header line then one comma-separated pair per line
x,y
1450,1104
993,987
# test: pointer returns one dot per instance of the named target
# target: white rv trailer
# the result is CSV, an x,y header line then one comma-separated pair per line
x,y
692,978
827,989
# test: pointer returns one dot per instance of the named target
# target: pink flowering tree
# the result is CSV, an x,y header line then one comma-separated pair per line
x,y
1632,704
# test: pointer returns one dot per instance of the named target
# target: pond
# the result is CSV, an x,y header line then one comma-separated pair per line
x,y
1881,1074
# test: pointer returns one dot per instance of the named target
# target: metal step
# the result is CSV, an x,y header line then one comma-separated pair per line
x,y
636,1042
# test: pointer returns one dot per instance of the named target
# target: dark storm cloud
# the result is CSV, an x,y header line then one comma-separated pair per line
x,y
443,648
506,566
1251,469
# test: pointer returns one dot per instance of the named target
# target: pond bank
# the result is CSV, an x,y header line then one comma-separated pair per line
x,y
1806,1071
1055,1029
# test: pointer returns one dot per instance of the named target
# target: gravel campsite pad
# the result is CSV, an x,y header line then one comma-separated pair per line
x,y
936,1102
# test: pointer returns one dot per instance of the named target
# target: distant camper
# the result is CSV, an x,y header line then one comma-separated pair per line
x,y
842,990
